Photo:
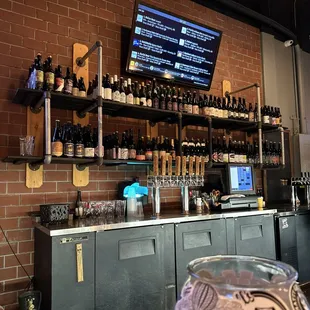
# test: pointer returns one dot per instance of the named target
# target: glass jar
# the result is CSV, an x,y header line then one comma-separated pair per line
x,y
241,283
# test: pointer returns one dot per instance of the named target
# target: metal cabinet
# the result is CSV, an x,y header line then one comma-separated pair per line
x,y
286,240
303,245
253,235
135,269
56,271
197,239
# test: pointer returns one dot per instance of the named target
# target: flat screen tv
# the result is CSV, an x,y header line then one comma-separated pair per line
x,y
171,47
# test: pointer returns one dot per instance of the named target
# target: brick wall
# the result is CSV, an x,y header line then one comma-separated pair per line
x,y
31,26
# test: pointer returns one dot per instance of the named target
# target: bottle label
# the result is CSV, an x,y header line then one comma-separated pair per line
x,y
195,109
163,105
102,93
119,153
149,103
205,111
189,108
69,149
215,112
129,99
225,113
68,84
114,153
39,79
277,120
185,108
273,121
82,93
97,151
136,100
181,107
132,154
143,101
266,119
57,148
125,153
214,157
149,155
89,152
79,150
155,153
211,111
220,157
116,96
175,106
123,97
241,115
169,106
75,91
108,93
49,78
173,155
156,103
140,157
232,158
251,116
59,84
225,157
230,114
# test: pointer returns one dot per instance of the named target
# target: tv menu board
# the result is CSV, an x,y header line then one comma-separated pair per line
x,y
170,47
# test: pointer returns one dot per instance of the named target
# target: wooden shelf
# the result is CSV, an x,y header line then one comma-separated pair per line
x,y
63,160
30,97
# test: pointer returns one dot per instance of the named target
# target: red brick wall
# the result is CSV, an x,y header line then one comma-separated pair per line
x,y
31,26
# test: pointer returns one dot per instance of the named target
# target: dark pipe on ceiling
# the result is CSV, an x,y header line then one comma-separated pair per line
x,y
239,8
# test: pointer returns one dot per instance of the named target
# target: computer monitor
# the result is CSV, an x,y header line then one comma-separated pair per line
x,y
241,179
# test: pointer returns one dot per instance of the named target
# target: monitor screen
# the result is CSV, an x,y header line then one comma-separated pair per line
x,y
241,180
169,47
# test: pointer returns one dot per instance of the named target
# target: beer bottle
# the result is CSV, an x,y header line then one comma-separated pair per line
x,y
116,95
168,99
155,97
189,103
107,87
68,141
230,109
148,149
195,105
184,104
220,153
175,105
79,143
122,90
215,109
75,86
149,102
49,75
136,97
231,151
224,108
235,108
140,154
162,100
219,108
89,148
214,151
142,96
39,73
124,147
129,95
68,83
205,109
256,113
131,147
225,151
59,80
57,146
82,88
251,113
90,90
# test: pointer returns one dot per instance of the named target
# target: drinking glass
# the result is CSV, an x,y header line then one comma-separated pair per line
x,y
241,283
30,145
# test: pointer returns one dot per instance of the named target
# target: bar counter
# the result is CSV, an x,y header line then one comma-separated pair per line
x,y
100,224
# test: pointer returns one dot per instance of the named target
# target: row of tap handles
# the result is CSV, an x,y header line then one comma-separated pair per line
x,y
303,181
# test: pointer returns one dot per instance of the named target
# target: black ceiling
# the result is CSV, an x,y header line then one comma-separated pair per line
x,y
292,14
